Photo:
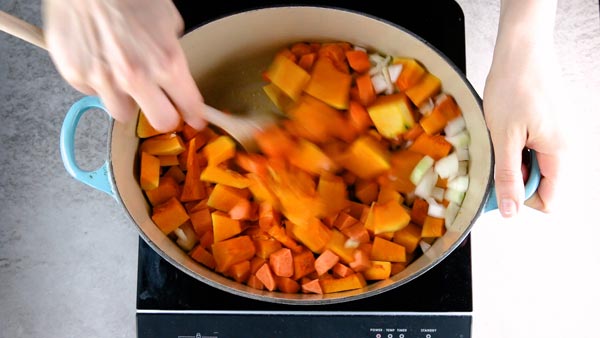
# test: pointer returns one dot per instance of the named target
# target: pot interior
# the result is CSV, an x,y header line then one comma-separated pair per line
x,y
226,58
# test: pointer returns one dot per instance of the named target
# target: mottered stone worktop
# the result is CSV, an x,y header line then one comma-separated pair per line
x,y
68,254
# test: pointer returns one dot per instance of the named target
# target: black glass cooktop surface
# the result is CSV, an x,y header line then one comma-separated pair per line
x,y
437,304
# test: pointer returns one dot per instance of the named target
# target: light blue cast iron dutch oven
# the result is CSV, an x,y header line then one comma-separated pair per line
x,y
233,43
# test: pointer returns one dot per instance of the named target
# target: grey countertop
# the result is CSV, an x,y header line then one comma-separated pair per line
x,y
68,254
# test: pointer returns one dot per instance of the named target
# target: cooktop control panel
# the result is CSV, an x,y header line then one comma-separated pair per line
x,y
229,324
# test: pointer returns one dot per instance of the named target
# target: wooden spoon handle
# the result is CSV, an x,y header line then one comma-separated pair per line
x,y
21,29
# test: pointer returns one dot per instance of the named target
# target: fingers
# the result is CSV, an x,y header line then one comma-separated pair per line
x,y
544,198
508,176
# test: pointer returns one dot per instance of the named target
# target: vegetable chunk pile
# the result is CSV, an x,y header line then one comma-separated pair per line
x,y
366,170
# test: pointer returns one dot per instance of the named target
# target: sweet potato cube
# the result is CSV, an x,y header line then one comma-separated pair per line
x,y
384,250
411,74
219,175
223,226
167,188
282,262
232,251
329,84
362,260
408,237
287,285
202,256
366,158
287,76
219,150
378,270
389,217
428,87
169,215
392,115
164,144
309,157
224,197
304,263
341,270
433,227
149,171
312,286
266,276
352,282
313,234
326,261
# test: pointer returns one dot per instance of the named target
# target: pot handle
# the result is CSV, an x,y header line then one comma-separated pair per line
x,y
530,187
95,178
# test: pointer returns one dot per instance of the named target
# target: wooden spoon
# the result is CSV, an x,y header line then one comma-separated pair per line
x,y
240,128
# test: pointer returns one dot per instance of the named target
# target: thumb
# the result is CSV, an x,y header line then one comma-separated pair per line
x,y
508,176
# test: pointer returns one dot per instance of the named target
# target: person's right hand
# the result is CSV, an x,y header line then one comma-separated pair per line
x,y
126,52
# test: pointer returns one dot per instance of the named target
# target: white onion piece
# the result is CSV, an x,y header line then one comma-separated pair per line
x,y
440,97
463,168
455,196
424,246
351,243
379,83
395,71
459,183
426,107
447,166
360,48
435,209
438,193
186,237
451,213
420,169
460,140
463,154
389,89
455,126
425,186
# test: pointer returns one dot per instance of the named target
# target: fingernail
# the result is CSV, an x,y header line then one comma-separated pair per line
x,y
508,208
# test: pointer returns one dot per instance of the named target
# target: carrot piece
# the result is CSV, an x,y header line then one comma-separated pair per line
x,y
408,237
341,270
419,211
359,117
326,260
240,271
384,250
411,73
366,91
200,255
312,286
358,60
447,105
223,226
176,173
433,227
193,188
435,146
304,264
255,283
163,144
282,262
434,122
167,188
335,53
265,275
149,171
414,132
301,48
287,285
219,150
232,251
169,215
329,84
207,239
426,88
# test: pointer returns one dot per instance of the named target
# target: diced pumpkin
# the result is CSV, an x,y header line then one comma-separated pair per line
x,y
384,250
149,171
411,73
279,233
239,271
232,251
304,263
446,104
202,256
167,188
428,87
358,60
164,144
434,122
333,192
224,176
288,76
168,160
169,215
224,197
389,217
392,115
224,227
409,237
351,282
313,234
279,98
287,285
201,220
402,164
219,150
433,227
337,244
329,84
316,121
144,129
435,146
308,156
274,141
379,270
365,158
366,190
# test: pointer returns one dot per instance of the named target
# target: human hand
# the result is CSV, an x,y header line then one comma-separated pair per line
x,y
522,100
126,52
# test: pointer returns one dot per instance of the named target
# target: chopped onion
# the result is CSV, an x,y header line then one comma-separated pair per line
x,y
447,166
395,71
460,140
425,186
420,169
438,193
451,213
463,154
424,245
379,83
463,167
440,97
186,237
360,48
455,126
389,89
351,243
453,195
435,209
427,107
459,183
